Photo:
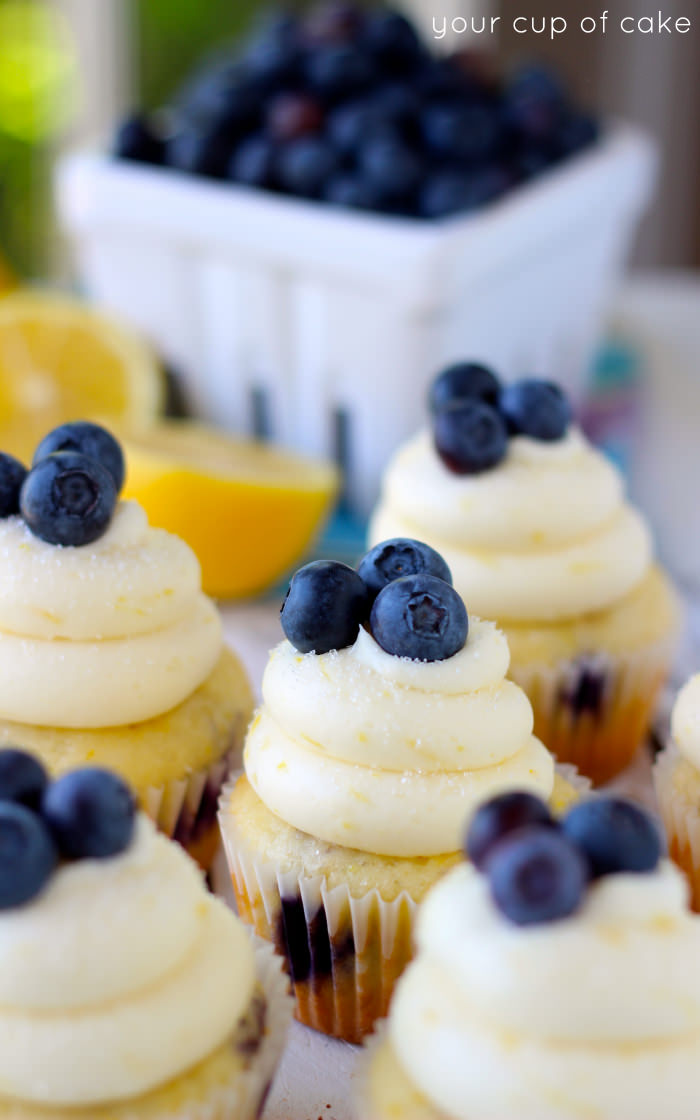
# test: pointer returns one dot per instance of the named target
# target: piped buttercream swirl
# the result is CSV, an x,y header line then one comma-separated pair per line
x,y
545,535
371,751
123,974
597,1015
115,632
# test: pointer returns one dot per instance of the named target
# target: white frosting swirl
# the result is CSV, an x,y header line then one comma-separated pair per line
x,y
597,1015
685,721
355,745
107,634
543,536
123,974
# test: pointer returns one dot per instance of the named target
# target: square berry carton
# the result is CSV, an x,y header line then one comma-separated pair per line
x,y
321,328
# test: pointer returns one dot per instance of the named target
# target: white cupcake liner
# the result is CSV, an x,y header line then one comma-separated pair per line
x,y
601,742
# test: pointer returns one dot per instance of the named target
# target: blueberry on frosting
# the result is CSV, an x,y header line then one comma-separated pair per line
x,y
88,439
12,475
538,409
28,855
68,499
325,606
464,381
91,813
420,617
538,868
400,556
615,835
470,437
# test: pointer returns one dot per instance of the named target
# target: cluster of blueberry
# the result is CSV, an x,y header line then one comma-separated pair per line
x,y
538,868
349,106
402,590
70,494
474,415
86,814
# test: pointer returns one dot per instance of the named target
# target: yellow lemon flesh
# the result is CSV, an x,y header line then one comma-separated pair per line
x,y
61,361
249,510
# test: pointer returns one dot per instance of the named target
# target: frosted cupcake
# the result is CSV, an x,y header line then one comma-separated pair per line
x,y
534,524
677,782
555,983
127,990
109,651
373,744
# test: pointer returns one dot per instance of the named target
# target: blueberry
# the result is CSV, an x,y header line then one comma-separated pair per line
x,y
273,60
200,150
291,115
501,815
464,381
335,21
536,875
27,855
254,163
421,617
392,168
91,813
339,71
324,607
137,140
88,439
399,557
538,409
443,194
470,437
461,132
575,132
351,190
614,834
485,185
534,101
224,99
68,499
22,777
305,165
12,475
393,41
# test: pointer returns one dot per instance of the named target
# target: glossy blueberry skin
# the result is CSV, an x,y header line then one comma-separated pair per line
x,y
534,408
325,606
136,140
222,98
351,190
202,150
28,855
274,59
420,617
470,437
68,499
392,168
22,778
464,381
91,813
87,439
306,165
536,875
12,475
496,818
462,132
400,556
339,71
614,834
254,162
393,41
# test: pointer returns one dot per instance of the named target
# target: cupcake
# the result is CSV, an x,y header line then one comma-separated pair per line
x,y
535,527
677,782
374,741
127,990
109,652
556,980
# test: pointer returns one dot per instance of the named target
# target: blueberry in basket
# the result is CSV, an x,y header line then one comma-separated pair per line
x,y
385,125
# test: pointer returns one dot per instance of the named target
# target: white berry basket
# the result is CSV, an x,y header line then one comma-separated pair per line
x,y
320,328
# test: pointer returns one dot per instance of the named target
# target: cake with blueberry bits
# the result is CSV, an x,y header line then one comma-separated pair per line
x,y
553,977
126,988
533,521
109,651
386,718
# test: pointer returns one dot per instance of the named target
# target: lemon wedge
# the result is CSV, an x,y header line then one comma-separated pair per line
x,y
60,360
249,510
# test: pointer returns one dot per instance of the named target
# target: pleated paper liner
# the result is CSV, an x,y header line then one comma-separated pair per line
x,y
594,711
677,785
231,1084
382,1091
344,953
